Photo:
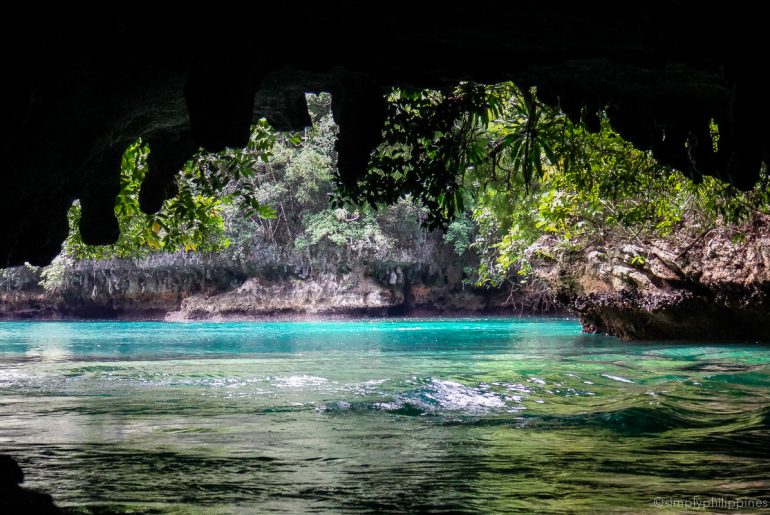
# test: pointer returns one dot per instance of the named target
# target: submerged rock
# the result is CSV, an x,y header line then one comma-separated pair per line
x,y
16,500
696,284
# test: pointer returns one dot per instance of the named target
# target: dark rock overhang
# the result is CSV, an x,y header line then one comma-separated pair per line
x,y
79,87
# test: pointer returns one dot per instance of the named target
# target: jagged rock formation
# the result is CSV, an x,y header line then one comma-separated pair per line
x,y
82,83
382,289
707,285
117,289
230,290
255,298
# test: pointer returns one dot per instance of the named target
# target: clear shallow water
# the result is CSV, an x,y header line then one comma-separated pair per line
x,y
395,415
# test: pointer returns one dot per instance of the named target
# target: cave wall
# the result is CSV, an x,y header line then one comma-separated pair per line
x,y
81,84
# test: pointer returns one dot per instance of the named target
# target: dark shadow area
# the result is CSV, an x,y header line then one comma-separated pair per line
x,y
17,500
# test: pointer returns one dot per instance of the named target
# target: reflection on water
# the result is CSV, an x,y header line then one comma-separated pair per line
x,y
47,342
408,415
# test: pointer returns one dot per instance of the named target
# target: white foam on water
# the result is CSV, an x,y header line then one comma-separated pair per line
x,y
617,378
300,381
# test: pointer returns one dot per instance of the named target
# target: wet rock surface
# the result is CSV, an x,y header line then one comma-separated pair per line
x,y
709,283
117,289
375,290
226,290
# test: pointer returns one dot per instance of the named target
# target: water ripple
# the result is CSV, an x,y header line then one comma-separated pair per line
x,y
468,416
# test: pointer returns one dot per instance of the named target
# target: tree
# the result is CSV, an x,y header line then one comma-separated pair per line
x,y
192,219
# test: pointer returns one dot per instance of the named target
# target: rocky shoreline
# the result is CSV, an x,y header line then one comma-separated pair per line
x,y
699,283
228,291
709,283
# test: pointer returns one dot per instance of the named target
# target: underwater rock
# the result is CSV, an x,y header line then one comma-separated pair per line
x,y
16,500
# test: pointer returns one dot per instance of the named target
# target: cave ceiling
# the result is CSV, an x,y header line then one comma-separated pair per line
x,y
80,85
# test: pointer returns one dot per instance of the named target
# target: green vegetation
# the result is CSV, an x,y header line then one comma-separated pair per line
x,y
519,170
305,229
192,219
490,165
582,186
267,203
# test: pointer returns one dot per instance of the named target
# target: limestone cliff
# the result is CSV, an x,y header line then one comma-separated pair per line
x,y
113,289
375,289
705,283
228,290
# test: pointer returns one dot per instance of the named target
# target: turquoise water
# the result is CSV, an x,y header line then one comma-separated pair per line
x,y
475,416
